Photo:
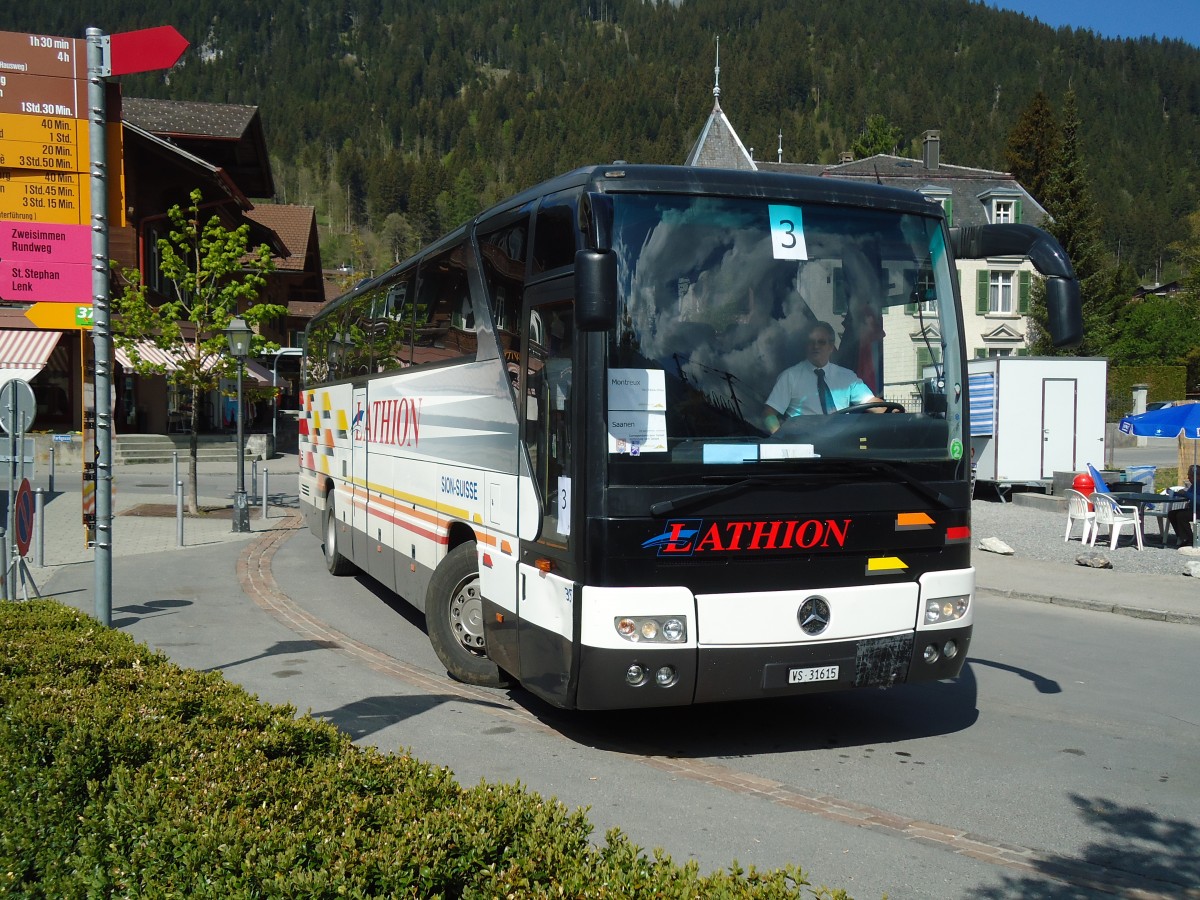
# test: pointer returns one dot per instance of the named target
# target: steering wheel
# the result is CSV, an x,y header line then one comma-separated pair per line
x,y
886,405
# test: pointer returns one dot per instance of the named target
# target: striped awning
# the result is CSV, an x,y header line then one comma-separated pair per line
x,y
147,352
255,371
26,349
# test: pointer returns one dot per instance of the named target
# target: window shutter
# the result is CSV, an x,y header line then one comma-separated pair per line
x,y
1025,281
948,205
1017,210
982,302
981,352
924,358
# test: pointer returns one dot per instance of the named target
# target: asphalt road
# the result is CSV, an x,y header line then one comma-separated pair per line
x,y
1070,747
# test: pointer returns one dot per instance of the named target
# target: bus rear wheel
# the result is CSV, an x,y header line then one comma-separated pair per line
x,y
454,618
334,561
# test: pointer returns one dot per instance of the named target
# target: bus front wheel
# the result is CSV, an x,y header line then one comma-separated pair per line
x,y
454,618
334,561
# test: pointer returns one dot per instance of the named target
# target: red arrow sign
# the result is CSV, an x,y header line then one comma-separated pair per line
x,y
147,50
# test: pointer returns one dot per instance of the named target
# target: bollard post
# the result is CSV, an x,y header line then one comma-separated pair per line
x,y
178,513
39,523
178,485
254,478
52,467
266,475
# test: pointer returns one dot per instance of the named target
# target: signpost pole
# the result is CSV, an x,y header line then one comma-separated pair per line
x,y
101,334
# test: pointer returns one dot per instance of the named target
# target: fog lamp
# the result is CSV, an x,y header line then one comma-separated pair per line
x,y
931,654
635,674
666,676
950,649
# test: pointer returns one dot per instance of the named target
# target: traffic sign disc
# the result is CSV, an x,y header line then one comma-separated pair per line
x,y
23,518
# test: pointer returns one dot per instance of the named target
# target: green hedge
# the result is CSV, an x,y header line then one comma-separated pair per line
x,y
126,776
1164,382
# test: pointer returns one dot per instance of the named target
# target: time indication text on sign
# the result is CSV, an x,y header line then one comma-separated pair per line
x,y
44,142
36,95
42,54
33,195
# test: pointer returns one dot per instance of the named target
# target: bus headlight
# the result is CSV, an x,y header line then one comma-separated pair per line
x,y
647,628
946,609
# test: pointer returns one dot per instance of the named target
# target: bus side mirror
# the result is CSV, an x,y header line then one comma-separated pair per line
x,y
1064,315
595,290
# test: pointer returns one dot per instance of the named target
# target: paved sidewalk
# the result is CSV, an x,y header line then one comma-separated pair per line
x,y
1160,597
148,486
1170,599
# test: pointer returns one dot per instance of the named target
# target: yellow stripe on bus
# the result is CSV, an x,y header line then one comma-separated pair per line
x,y
880,564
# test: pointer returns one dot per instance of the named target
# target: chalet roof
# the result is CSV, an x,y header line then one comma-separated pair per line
x,y
229,136
200,168
296,227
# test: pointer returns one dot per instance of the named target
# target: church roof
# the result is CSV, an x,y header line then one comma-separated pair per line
x,y
719,146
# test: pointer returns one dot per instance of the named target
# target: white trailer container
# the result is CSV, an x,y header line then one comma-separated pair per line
x,y
1032,416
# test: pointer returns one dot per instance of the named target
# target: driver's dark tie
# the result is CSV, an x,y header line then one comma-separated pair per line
x,y
823,391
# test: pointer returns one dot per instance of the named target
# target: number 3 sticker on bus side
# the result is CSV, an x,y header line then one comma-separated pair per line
x,y
564,505
787,232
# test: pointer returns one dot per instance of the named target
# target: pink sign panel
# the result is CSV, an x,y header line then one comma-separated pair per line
x,y
45,243
29,281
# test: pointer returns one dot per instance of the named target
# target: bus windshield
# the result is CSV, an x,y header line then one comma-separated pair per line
x,y
730,306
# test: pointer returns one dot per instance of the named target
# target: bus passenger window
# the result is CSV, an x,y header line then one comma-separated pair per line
x,y
439,330
503,252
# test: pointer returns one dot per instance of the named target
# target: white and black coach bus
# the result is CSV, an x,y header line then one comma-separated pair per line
x,y
560,432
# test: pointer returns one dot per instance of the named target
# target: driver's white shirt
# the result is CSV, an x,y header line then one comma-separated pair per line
x,y
795,391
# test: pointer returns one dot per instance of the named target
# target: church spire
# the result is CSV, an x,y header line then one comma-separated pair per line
x,y
717,76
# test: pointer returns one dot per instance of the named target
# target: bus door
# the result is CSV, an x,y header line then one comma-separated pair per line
x,y
546,586
359,519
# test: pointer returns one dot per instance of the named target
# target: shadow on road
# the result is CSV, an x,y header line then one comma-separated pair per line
x,y
1140,854
784,725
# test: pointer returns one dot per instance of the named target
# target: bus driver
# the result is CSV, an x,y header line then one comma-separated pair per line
x,y
815,385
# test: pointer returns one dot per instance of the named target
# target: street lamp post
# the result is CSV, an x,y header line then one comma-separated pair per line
x,y
239,334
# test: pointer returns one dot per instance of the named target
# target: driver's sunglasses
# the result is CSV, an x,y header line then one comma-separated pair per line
x,y
818,342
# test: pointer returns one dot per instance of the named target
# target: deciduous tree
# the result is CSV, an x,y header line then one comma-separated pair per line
x,y
209,275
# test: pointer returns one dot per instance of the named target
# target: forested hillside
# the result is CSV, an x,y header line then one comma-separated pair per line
x,y
399,118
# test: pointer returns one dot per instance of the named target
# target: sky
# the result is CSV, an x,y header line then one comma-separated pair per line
x,y
1116,18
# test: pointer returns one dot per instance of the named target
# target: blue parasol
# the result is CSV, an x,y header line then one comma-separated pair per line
x,y
1168,422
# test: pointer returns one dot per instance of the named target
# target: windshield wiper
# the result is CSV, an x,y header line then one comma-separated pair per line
x,y
662,507
880,465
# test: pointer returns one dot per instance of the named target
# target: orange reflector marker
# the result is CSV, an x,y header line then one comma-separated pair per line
x,y
506,548
906,521
957,534
499,617
543,565
882,565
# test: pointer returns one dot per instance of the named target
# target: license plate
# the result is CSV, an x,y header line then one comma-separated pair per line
x,y
819,673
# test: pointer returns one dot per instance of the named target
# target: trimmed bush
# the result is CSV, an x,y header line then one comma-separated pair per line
x,y
126,776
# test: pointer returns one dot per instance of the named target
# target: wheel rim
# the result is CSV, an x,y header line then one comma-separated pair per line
x,y
466,615
330,539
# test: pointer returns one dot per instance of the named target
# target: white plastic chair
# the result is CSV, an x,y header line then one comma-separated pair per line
x,y
1079,511
1111,514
